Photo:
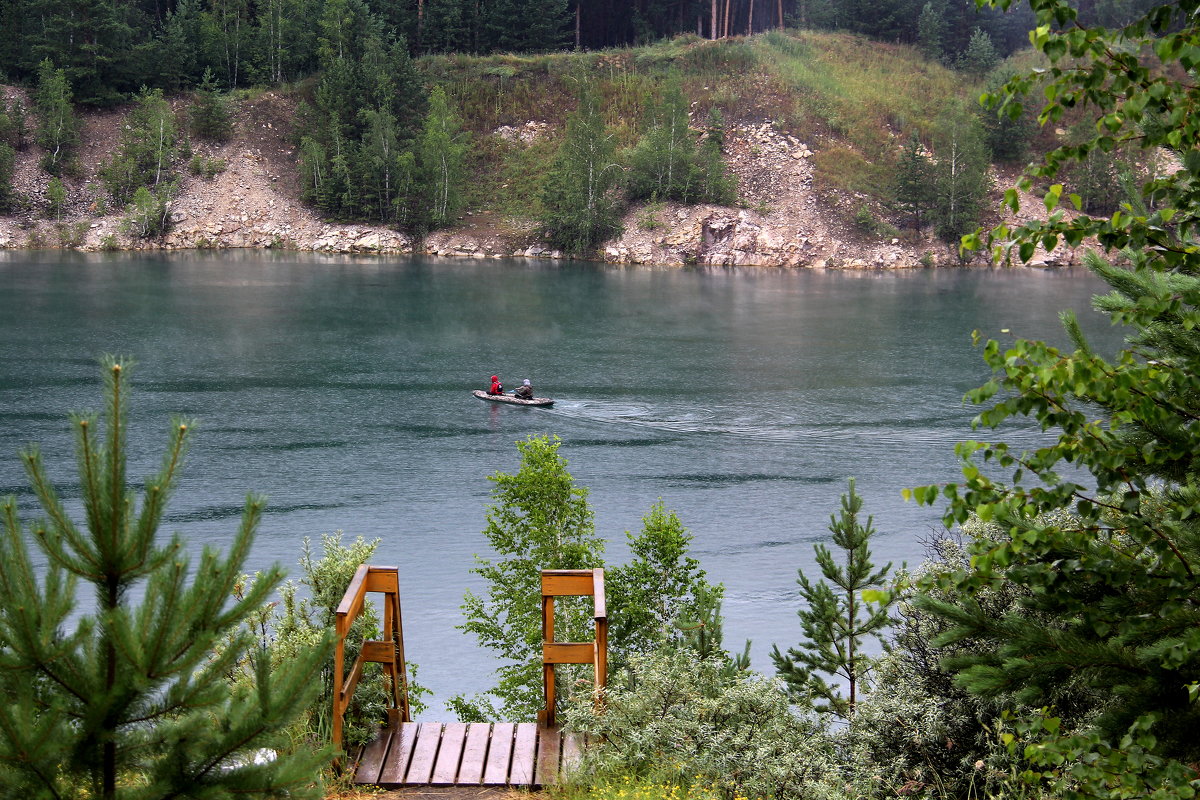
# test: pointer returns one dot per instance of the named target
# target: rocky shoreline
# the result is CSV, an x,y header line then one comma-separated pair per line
x,y
783,221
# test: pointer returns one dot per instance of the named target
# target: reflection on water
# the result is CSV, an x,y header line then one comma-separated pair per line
x,y
340,388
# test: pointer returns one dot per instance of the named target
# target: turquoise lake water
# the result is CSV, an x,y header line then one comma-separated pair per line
x,y
340,388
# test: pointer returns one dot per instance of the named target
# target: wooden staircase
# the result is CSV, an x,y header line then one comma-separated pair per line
x,y
407,753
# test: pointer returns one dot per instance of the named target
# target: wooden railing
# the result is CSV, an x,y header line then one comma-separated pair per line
x,y
572,583
388,651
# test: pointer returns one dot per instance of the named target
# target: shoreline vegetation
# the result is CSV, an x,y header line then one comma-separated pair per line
x,y
810,142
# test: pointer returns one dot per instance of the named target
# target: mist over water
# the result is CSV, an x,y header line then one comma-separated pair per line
x,y
340,388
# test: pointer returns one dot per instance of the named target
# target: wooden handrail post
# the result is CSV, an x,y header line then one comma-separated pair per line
x,y
388,651
573,583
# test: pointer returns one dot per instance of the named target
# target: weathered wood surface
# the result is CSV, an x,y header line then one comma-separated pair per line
x,y
461,754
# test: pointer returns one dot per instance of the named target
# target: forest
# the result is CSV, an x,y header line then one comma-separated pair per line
x,y
109,50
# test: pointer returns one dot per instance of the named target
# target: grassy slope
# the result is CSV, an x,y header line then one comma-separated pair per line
x,y
858,99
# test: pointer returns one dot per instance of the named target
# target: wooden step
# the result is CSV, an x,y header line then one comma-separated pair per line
x,y
462,754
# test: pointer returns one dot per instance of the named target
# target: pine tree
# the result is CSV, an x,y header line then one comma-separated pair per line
x,y
94,42
539,519
1100,521
516,26
1007,136
837,617
580,208
12,124
133,701
931,29
178,46
980,57
209,114
703,632
913,187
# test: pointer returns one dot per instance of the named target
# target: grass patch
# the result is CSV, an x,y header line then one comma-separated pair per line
x,y
845,169
865,92
510,175
861,99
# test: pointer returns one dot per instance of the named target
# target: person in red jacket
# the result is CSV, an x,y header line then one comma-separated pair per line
x,y
497,387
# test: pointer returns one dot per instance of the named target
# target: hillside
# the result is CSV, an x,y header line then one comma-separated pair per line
x,y
813,124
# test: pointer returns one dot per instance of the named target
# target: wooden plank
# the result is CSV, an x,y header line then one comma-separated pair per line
x,y
352,682
547,756
374,756
382,579
572,751
560,584
568,652
396,766
495,772
600,603
445,769
524,752
352,600
470,771
378,652
429,737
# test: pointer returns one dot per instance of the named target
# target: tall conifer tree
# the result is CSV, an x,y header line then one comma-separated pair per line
x,y
835,622
913,183
132,700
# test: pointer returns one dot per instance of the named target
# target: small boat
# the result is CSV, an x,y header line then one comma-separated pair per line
x,y
516,401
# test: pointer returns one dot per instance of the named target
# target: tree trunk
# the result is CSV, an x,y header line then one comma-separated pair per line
x,y
779,6
750,19
420,22
712,28
578,12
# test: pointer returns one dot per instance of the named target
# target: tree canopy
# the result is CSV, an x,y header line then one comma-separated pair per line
x,y
1100,524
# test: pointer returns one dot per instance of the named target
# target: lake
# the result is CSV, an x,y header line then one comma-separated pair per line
x,y
340,388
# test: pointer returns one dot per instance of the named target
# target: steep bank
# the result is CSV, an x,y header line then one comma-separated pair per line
x,y
786,215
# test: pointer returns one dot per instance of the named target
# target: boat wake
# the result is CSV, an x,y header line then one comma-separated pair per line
x,y
934,426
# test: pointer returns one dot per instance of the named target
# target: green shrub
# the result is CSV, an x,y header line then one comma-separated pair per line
x,y
149,213
71,234
672,718
144,156
304,616
8,197
56,198
205,167
209,113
